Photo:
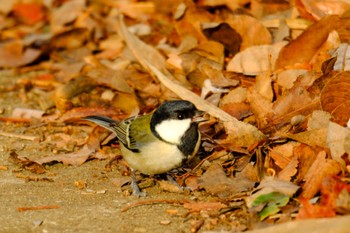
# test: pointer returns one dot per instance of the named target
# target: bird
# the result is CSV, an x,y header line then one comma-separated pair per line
x,y
157,142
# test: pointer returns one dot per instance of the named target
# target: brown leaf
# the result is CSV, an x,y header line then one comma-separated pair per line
x,y
115,79
315,137
338,141
13,54
190,22
71,39
319,170
290,170
66,13
335,97
74,87
318,9
256,59
283,154
76,158
27,164
215,181
227,36
261,107
252,31
302,49
238,110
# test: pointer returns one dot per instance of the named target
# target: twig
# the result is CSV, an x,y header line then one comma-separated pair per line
x,y
20,136
151,202
44,207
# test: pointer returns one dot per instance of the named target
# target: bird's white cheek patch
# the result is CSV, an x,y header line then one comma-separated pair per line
x,y
172,130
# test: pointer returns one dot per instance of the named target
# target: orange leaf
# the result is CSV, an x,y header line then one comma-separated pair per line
x,y
335,97
331,188
29,13
302,49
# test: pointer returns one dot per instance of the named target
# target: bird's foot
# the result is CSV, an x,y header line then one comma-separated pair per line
x,y
136,190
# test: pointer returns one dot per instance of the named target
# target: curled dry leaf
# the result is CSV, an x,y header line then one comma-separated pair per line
x,y
319,170
335,97
301,50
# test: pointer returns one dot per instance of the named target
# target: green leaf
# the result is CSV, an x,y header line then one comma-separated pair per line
x,y
272,202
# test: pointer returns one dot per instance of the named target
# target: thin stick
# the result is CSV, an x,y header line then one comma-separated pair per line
x,y
20,136
45,207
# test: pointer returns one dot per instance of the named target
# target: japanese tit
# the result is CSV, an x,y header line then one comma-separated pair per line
x,y
157,142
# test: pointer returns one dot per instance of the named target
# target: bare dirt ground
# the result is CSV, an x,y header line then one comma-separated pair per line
x,y
65,206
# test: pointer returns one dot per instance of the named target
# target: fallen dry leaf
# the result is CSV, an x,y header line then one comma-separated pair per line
x,y
271,184
332,189
14,54
256,59
301,50
29,13
75,158
252,31
27,164
319,170
335,97
227,36
338,138
318,9
215,182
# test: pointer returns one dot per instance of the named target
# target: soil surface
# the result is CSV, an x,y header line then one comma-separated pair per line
x,y
69,198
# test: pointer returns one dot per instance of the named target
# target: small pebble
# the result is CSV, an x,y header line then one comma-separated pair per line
x,y
165,222
37,223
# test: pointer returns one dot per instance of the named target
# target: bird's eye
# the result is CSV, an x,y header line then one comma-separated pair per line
x,y
180,116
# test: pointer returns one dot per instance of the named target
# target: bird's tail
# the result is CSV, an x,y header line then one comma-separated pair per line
x,y
105,122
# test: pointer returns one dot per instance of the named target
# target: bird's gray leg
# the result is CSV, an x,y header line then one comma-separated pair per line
x,y
135,188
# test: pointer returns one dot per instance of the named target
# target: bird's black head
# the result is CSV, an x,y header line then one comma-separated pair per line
x,y
172,119
176,109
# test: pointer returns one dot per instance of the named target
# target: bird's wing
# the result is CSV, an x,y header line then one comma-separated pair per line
x,y
122,131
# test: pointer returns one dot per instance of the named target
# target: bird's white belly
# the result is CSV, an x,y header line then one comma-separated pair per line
x,y
156,158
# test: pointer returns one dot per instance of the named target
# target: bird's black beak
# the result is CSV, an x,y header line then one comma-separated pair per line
x,y
198,117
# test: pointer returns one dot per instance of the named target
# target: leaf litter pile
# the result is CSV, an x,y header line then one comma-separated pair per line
x,y
272,76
